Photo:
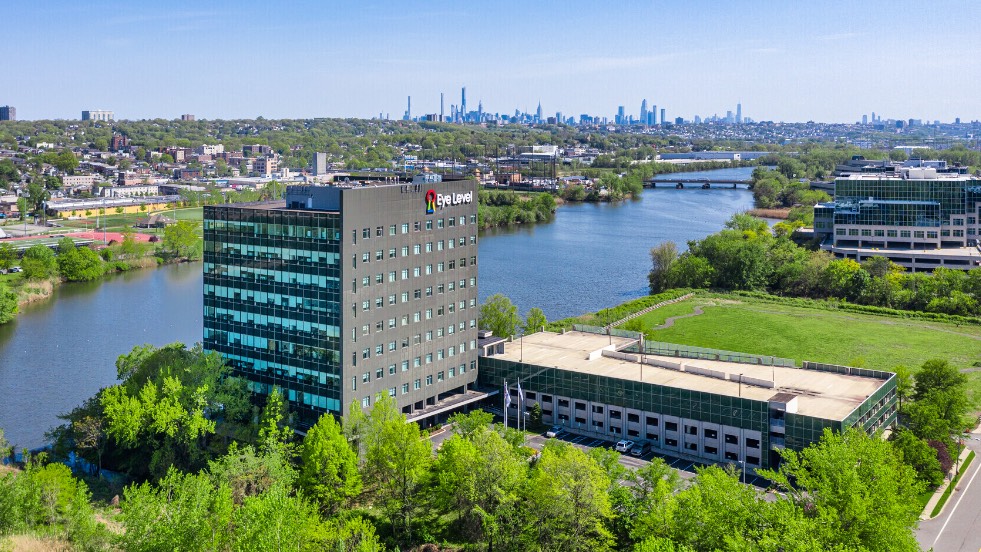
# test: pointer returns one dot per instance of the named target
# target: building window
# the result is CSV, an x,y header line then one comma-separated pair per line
x,y
731,456
391,392
405,388
753,443
429,380
691,430
366,402
711,434
391,232
671,442
671,426
405,228
379,373
429,225
417,384
732,439
652,421
711,450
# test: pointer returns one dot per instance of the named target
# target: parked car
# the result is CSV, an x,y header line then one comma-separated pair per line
x,y
553,431
15,269
624,445
640,448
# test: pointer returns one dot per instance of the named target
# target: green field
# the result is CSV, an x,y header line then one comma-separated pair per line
x,y
749,325
753,326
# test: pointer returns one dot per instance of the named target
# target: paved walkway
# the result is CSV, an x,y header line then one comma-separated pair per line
x,y
668,322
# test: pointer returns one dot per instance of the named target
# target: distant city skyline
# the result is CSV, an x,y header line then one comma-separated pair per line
x,y
832,61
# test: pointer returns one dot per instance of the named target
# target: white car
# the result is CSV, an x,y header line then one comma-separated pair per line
x,y
624,445
553,431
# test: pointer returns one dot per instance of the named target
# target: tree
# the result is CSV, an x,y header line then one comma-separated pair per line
x,y
919,455
8,305
470,423
274,432
78,263
479,476
8,256
38,262
185,512
181,240
37,195
499,315
329,467
663,256
65,161
567,501
395,460
690,271
535,321
855,490
940,403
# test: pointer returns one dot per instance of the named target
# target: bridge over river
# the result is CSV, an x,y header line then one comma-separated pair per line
x,y
703,183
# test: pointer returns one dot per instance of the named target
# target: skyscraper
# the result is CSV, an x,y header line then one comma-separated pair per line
x,y
341,293
538,112
739,113
663,120
463,101
654,115
620,115
643,112
441,107
8,113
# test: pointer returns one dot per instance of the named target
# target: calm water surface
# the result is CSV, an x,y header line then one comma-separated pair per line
x,y
58,353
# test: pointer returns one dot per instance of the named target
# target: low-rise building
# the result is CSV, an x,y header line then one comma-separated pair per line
x,y
703,404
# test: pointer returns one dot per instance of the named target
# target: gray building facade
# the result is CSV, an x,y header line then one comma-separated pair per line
x,y
342,293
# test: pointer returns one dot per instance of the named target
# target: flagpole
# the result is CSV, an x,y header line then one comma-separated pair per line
x,y
505,404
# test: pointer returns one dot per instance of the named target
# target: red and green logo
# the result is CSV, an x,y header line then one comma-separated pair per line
x,y
430,202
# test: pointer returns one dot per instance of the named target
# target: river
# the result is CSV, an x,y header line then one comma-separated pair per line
x,y
60,352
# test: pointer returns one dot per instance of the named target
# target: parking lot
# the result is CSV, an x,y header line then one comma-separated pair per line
x,y
686,468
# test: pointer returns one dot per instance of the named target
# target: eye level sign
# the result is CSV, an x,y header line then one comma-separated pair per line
x,y
435,200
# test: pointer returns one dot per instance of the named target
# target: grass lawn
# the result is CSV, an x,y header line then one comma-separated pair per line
x,y
753,326
657,316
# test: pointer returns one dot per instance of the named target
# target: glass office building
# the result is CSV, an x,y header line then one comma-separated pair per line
x,y
341,293
910,210
703,404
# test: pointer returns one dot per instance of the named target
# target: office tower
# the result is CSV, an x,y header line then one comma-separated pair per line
x,y
320,163
344,292
663,120
480,111
620,115
730,119
538,112
873,117
98,115
408,110
187,117
463,101
739,113
8,113
957,121
643,112
441,107
654,114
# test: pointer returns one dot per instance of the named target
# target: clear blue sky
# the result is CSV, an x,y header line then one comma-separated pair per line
x,y
785,61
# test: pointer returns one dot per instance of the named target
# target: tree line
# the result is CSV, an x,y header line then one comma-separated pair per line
x,y
211,472
747,255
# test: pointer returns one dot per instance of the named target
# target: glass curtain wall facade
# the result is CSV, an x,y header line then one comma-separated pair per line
x,y
896,212
272,300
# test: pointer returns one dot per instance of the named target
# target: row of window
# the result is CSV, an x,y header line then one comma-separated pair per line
x,y
379,302
259,229
416,272
393,252
417,226
417,316
379,350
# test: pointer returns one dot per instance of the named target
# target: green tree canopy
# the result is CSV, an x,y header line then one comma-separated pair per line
x,y
329,466
499,315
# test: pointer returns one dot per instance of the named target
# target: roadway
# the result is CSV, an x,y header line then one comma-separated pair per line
x,y
956,528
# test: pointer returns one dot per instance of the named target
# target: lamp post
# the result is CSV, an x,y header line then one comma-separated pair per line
x,y
743,466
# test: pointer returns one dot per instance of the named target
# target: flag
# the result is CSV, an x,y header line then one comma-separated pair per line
x,y
507,396
521,396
